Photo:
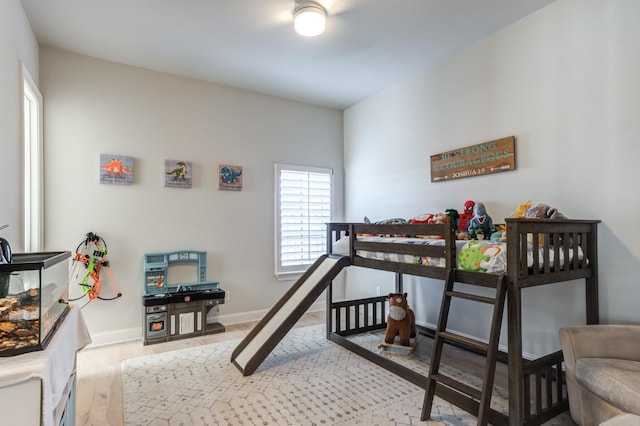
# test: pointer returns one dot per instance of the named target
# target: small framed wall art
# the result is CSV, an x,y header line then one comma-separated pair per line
x,y
230,177
177,174
116,169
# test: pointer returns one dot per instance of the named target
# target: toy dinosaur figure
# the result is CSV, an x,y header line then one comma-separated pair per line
x,y
180,172
481,223
521,211
115,167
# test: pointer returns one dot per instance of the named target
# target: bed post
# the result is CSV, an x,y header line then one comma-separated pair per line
x,y
591,283
514,313
516,388
328,311
329,292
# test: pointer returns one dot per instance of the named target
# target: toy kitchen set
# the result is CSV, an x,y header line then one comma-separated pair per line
x,y
176,311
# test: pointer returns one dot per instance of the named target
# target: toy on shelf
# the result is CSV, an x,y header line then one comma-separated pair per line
x,y
89,260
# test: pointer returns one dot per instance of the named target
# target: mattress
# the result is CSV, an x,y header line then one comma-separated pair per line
x,y
479,256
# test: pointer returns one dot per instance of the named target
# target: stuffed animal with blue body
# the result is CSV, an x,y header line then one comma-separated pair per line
x,y
481,225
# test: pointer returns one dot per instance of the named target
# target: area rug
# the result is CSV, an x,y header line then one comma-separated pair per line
x,y
306,380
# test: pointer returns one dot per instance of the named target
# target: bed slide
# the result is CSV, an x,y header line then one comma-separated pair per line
x,y
257,345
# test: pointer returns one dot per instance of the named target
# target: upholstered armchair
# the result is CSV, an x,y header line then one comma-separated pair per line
x,y
602,368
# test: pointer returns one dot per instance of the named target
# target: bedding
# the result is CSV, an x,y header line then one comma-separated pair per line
x,y
475,255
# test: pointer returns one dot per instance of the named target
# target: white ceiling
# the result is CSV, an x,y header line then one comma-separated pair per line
x,y
251,44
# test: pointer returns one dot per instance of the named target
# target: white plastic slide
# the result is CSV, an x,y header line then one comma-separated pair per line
x,y
259,343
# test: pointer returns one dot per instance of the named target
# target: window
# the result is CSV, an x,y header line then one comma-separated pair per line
x,y
32,164
304,204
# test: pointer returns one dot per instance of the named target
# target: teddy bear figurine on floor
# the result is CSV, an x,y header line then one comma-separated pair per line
x,y
401,320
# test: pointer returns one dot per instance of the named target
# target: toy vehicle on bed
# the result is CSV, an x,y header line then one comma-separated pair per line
x,y
541,251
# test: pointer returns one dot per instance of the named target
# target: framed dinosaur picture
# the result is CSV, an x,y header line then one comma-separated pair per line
x,y
229,177
116,169
177,173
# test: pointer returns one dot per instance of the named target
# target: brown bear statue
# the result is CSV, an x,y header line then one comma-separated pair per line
x,y
401,320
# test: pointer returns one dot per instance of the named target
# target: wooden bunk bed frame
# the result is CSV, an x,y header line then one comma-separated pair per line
x,y
537,391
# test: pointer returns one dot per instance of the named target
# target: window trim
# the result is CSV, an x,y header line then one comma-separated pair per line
x,y
293,272
31,118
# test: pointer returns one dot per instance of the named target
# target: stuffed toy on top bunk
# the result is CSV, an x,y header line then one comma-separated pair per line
x,y
481,225
544,211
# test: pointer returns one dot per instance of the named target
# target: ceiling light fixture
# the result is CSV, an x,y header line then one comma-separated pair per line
x,y
310,18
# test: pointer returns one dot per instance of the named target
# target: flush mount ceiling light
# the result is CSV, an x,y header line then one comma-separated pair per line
x,y
310,18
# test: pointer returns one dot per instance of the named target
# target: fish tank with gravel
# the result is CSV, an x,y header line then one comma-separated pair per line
x,y
33,300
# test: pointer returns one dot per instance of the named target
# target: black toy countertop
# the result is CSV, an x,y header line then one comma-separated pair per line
x,y
183,295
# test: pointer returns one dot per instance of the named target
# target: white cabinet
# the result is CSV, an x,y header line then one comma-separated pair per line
x,y
20,403
38,388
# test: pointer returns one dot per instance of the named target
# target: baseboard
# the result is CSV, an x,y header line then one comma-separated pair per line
x,y
116,336
135,333
249,316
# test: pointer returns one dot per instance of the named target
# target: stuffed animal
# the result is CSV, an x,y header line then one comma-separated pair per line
x,y
465,216
422,219
394,221
440,218
453,217
481,225
521,210
544,211
401,320
500,234
430,218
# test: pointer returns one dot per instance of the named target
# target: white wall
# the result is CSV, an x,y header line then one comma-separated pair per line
x,y
17,45
94,107
565,82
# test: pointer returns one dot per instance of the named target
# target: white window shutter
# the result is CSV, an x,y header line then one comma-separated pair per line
x,y
303,207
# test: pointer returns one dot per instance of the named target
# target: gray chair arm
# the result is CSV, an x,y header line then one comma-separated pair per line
x,y
600,341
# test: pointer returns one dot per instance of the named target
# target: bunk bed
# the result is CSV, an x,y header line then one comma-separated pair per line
x,y
540,252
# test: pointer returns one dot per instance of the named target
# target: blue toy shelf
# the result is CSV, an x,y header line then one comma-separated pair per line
x,y
156,266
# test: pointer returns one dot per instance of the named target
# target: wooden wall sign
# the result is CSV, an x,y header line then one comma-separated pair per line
x,y
475,160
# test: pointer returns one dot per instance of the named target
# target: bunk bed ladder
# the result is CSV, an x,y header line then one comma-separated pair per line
x,y
476,401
